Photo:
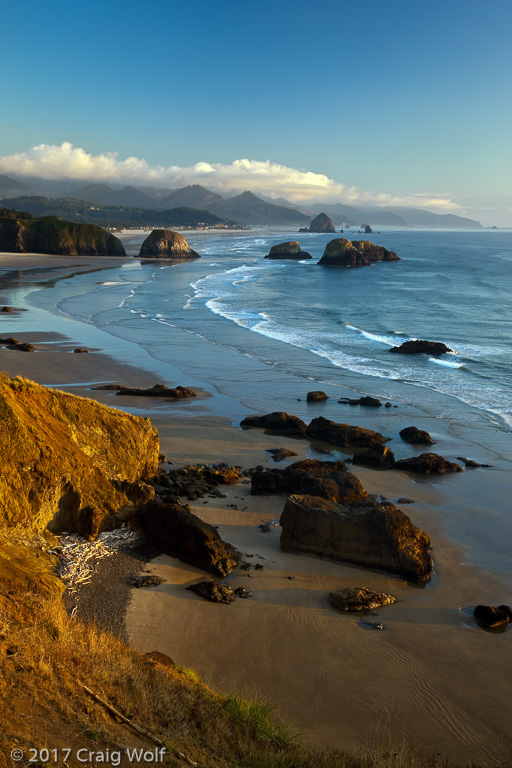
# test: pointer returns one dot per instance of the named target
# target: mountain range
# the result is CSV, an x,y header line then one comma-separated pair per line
x,y
245,208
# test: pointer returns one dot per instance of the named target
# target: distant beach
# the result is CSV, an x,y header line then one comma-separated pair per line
x,y
431,678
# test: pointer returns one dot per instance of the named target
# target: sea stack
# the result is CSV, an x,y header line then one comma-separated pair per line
x,y
291,250
359,253
321,223
166,244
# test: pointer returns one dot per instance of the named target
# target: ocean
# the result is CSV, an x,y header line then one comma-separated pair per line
x,y
258,334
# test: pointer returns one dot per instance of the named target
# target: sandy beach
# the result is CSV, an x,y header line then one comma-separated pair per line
x,y
430,679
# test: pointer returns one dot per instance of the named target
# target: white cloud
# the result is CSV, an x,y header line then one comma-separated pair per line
x,y
261,177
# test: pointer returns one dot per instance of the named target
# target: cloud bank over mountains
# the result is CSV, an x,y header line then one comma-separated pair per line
x,y
274,180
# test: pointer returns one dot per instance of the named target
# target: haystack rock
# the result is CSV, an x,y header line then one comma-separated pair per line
x,y
166,244
71,464
368,534
358,253
291,250
321,223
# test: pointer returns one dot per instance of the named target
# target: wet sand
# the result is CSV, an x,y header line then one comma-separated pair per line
x,y
430,679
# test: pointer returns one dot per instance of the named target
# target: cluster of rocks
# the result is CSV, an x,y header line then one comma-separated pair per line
x,y
158,390
20,346
357,253
195,481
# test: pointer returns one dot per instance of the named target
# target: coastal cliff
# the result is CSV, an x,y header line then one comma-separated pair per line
x,y
69,463
24,234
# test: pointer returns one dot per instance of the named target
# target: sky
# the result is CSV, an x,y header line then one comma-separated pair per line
x,y
378,102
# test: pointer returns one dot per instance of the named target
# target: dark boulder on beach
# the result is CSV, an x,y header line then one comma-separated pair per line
x,y
10,340
359,599
159,390
415,435
328,479
379,456
471,464
316,396
358,253
22,346
6,309
213,591
321,223
370,534
420,346
280,454
490,616
166,244
373,402
290,250
427,464
278,421
344,435
179,533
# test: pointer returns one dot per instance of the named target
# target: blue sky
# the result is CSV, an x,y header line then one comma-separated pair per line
x,y
391,101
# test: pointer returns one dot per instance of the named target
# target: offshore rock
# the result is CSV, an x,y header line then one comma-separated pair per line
x,y
358,253
369,534
213,591
377,456
359,599
420,346
316,396
321,223
428,464
290,250
367,229
166,244
50,234
179,533
70,463
328,479
278,421
415,435
344,435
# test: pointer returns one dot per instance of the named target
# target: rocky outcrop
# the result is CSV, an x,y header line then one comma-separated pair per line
x,y
379,456
321,223
55,236
290,250
420,346
316,396
359,599
367,229
195,481
70,463
280,454
344,435
328,479
159,390
427,464
213,591
166,244
373,402
369,534
358,253
415,435
472,464
490,616
179,533
278,422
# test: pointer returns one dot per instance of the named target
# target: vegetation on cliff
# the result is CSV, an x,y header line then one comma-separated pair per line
x,y
53,235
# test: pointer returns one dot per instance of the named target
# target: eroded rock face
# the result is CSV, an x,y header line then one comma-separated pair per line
x,y
70,463
321,223
280,422
369,534
290,250
415,435
359,599
328,479
427,464
358,253
50,234
179,533
166,244
420,346
344,435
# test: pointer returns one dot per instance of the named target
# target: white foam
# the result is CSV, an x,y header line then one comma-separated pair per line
x,y
446,363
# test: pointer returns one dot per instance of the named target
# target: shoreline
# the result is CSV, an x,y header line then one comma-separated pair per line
x,y
409,682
